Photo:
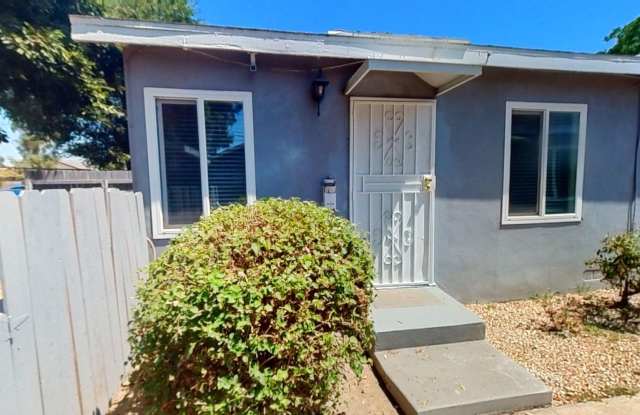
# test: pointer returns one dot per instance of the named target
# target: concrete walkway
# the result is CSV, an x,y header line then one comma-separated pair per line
x,y
432,355
622,405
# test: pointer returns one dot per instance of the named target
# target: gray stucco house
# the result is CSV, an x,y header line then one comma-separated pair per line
x,y
493,172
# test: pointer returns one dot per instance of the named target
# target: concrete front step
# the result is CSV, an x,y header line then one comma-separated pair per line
x,y
461,378
410,317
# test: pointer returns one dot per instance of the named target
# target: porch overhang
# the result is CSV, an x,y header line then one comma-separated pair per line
x,y
442,76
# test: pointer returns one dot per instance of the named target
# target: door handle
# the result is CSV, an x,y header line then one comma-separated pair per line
x,y
427,183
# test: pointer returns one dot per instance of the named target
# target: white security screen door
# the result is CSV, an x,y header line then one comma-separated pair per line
x,y
392,179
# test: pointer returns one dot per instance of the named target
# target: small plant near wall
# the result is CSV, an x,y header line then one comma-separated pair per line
x,y
618,261
254,310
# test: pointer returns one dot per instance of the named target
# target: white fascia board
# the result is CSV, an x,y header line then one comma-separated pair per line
x,y
444,67
385,48
562,61
357,77
98,30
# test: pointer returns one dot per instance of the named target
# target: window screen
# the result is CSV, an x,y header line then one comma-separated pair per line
x,y
526,133
562,162
179,162
224,129
546,148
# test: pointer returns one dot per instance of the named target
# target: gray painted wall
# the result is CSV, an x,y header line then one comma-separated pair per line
x,y
294,148
476,257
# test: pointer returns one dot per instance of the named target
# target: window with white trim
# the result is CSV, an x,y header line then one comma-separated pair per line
x,y
544,162
200,146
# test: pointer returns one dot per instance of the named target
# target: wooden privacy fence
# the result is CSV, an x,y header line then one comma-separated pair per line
x,y
69,262
41,179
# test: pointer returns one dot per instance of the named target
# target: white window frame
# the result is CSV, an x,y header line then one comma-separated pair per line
x,y
545,108
151,95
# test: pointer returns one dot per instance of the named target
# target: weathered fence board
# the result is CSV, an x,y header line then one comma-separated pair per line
x,y
120,262
83,204
106,248
68,264
7,386
77,306
51,314
25,388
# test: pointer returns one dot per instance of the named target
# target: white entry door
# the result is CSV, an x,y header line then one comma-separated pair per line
x,y
392,185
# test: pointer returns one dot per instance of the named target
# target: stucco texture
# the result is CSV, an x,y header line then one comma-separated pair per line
x,y
294,147
477,259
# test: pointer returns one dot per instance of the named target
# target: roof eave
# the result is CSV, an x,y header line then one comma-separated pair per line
x,y
403,49
97,30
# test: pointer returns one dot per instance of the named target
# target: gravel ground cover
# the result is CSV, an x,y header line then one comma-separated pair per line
x,y
620,405
567,347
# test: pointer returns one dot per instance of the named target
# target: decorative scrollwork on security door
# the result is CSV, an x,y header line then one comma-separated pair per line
x,y
394,238
399,123
378,141
394,139
388,115
408,138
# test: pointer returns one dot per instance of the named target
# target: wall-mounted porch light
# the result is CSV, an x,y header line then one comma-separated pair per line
x,y
318,88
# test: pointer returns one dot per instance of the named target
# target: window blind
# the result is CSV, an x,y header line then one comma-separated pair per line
x,y
562,162
526,133
225,138
179,162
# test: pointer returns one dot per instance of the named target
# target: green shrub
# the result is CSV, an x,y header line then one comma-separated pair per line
x,y
618,260
254,310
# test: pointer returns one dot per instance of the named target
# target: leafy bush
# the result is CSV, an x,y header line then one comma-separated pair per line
x,y
618,260
254,310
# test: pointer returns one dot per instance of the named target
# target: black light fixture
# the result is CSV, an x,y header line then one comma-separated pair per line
x,y
318,88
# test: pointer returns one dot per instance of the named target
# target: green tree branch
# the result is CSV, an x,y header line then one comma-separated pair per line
x,y
627,39
65,93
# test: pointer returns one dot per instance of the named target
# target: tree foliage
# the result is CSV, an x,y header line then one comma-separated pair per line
x,y
158,10
67,93
627,39
36,153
